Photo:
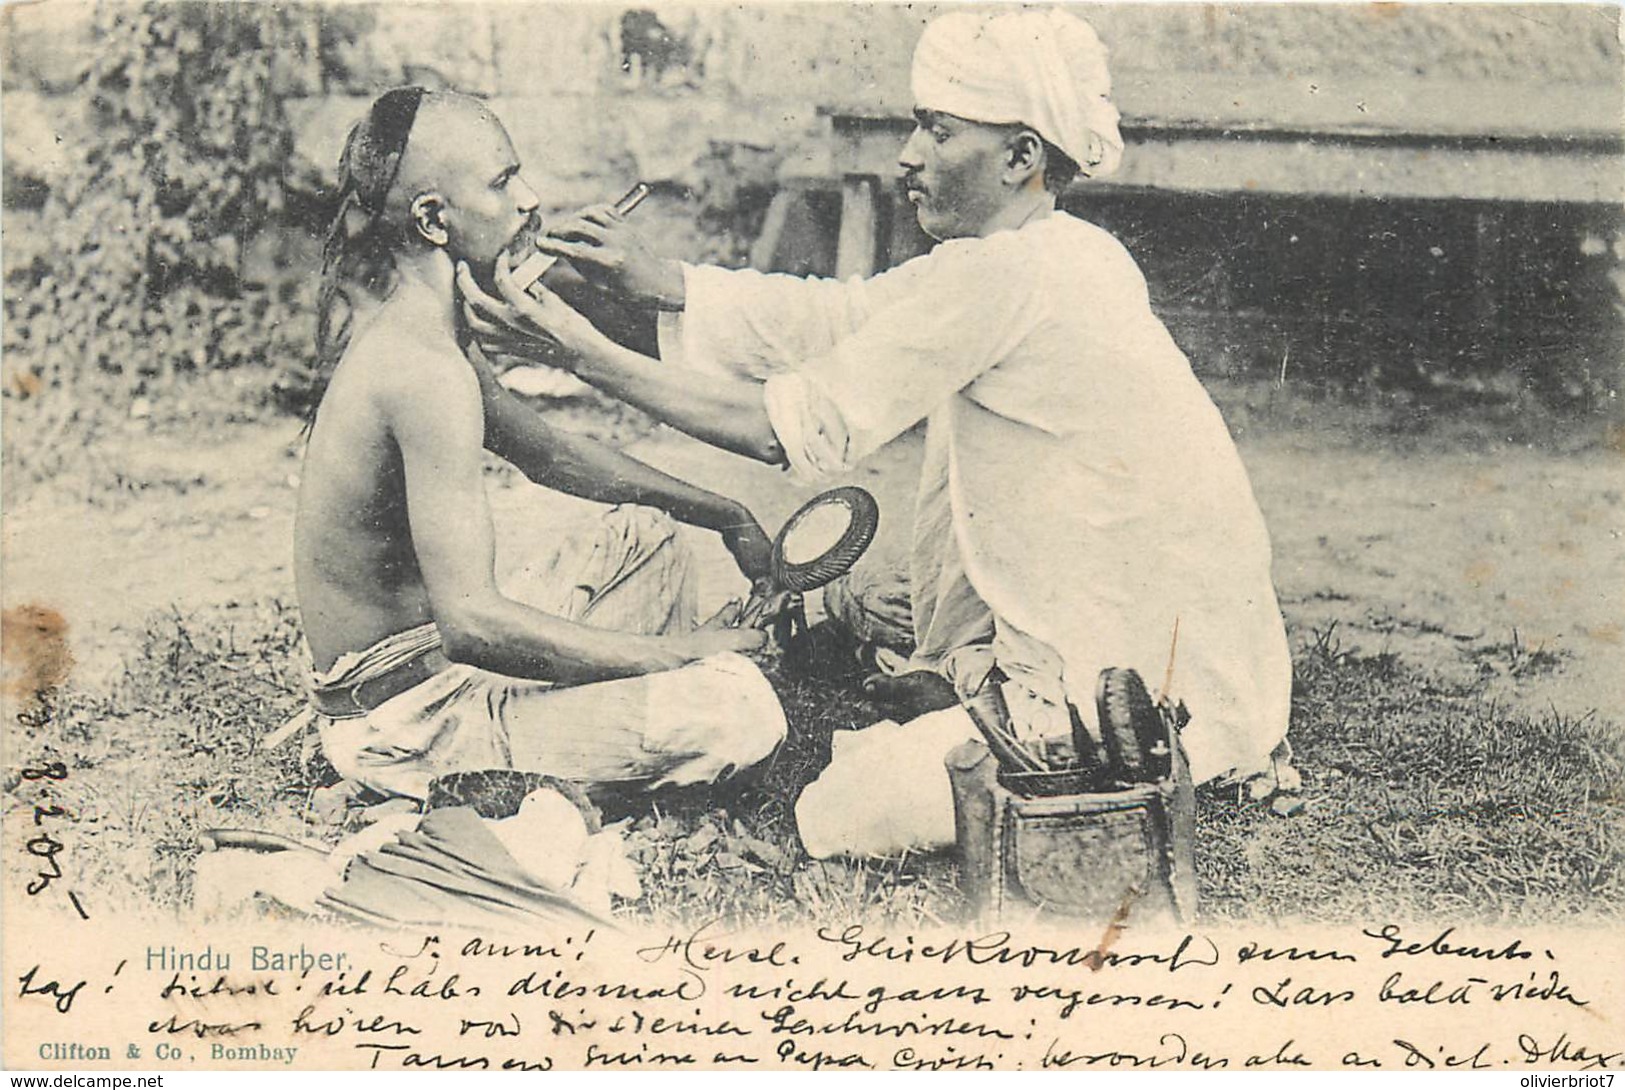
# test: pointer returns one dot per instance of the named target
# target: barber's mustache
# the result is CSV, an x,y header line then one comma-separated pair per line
x,y
910,180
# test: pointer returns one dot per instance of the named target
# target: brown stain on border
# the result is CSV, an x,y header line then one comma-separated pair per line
x,y
34,649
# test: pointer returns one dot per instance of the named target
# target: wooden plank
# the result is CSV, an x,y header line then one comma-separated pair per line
x,y
1242,161
1328,103
857,250
1414,105
766,246
1221,165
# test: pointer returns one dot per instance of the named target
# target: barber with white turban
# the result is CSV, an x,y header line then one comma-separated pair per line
x,y
1081,503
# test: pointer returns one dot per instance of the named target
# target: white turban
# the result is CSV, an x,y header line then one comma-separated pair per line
x,y
1044,69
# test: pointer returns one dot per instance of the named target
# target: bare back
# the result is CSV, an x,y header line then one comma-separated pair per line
x,y
356,571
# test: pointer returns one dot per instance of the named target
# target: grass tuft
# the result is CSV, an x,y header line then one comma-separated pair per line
x,y
1423,800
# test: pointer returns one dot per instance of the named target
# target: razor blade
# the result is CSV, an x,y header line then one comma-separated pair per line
x,y
530,270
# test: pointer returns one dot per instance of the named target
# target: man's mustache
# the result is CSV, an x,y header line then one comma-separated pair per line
x,y
524,239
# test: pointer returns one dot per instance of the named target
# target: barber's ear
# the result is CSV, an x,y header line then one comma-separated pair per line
x,y
428,218
1024,156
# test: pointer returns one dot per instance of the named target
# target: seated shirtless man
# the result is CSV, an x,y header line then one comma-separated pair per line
x,y
423,666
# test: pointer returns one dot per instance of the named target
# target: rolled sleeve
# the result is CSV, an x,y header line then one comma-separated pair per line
x,y
809,427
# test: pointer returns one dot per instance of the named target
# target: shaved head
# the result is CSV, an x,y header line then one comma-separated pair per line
x,y
452,135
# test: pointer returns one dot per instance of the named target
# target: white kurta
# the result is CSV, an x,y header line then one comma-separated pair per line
x,y
1078,484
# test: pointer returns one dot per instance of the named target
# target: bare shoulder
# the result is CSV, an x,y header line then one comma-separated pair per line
x,y
408,377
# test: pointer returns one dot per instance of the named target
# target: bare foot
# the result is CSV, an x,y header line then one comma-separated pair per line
x,y
906,696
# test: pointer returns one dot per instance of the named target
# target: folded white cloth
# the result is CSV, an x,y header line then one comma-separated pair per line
x,y
886,789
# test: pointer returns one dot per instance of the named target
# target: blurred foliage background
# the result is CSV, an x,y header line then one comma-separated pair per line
x,y
135,278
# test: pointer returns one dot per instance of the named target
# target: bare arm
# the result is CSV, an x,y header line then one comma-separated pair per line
x,y
725,412
624,319
584,467
440,440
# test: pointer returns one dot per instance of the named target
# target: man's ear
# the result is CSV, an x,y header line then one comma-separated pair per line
x,y
1024,157
428,218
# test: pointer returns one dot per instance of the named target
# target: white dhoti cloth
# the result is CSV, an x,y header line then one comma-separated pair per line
x,y
627,570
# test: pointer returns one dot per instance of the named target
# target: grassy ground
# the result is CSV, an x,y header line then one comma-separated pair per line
x,y
1423,797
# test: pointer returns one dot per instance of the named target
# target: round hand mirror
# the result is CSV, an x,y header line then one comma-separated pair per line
x,y
824,538
818,543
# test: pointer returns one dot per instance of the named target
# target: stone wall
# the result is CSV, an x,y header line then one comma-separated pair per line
x,y
596,94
